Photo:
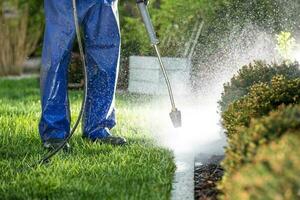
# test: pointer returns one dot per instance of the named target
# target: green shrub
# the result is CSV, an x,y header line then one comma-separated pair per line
x,y
286,44
175,21
273,174
258,72
242,147
261,99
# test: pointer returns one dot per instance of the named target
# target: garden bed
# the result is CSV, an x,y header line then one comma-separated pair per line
x,y
208,173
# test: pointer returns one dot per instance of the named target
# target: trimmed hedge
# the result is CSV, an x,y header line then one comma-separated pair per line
x,y
261,114
242,148
262,99
257,72
273,174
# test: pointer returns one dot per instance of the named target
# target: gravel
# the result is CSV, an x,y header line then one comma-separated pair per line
x,y
207,174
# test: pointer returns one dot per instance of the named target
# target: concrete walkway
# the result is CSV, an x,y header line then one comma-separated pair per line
x,y
183,185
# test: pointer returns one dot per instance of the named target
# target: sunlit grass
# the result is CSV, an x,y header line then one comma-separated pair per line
x,y
142,170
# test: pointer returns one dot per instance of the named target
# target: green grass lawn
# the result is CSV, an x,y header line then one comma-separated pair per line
x,y
141,170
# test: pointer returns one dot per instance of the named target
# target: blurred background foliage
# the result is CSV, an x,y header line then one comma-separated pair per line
x,y
21,24
174,21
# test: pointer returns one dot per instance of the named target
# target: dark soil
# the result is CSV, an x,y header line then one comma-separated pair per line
x,y
207,174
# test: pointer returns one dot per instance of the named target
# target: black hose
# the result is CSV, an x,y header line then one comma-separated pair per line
x,y
55,151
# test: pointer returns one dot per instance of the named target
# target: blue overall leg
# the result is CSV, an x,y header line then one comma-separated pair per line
x,y
102,39
102,60
58,42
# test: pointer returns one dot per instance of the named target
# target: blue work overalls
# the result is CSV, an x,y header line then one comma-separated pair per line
x,y
99,20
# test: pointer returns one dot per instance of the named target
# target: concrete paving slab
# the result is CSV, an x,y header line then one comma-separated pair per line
x,y
183,185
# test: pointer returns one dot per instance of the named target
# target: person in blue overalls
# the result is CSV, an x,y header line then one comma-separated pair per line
x,y
99,19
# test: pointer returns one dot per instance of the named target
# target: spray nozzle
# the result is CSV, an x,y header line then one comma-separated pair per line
x,y
175,116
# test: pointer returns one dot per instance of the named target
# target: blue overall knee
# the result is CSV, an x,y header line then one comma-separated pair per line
x,y
99,21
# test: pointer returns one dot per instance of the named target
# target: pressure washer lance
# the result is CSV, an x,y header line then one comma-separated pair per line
x,y
47,157
175,114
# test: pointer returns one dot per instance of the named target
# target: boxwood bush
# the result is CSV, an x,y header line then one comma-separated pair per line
x,y
261,115
261,99
257,72
242,148
273,174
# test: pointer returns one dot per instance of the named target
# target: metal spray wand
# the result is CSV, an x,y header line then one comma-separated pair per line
x,y
175,114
